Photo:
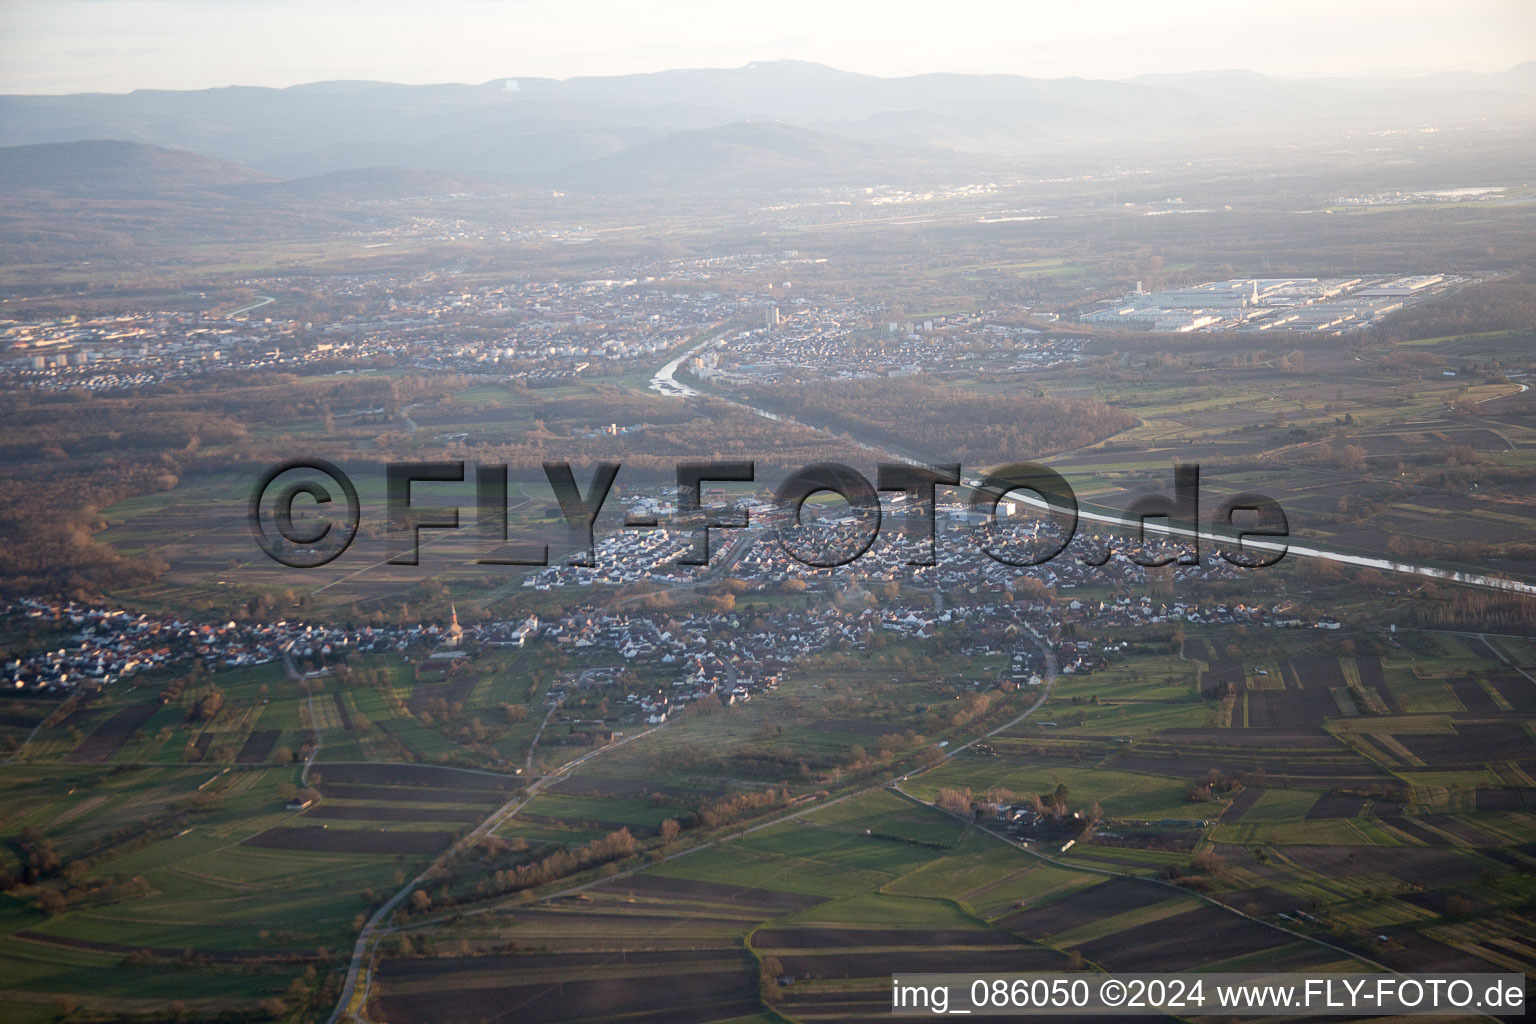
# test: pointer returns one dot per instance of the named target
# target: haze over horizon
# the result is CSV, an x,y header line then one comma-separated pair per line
x,y
69,46
574,512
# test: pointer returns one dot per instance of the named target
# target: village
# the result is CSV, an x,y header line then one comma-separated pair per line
x,y
809,343
542,332
730,655
539,331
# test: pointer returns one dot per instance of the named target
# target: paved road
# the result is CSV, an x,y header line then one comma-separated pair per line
x,y
1110,517
34,732
893,784
1174,888
261,300
314,727
533,746
354,1000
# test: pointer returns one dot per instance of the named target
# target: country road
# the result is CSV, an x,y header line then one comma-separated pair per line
x,y
353,1003
354,1000
665,383
261,300
358,985
893,784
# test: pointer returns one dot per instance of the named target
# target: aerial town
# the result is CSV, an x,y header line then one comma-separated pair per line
x,y
687,546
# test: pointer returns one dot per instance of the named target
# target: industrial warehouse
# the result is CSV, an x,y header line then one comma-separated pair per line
x,y
1265,304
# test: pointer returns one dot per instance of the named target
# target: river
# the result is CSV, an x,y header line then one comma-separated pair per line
x,y
665,382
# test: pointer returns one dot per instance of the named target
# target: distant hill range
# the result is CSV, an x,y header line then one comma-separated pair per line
x,y
376,184
98,199
744,155
768,125
110,169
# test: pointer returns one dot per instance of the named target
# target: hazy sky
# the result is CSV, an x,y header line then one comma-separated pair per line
x,y
119,45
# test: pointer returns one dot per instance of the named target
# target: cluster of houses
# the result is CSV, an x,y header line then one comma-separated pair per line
x,y
535,330
626,556
733,657
540,331
532,327
134,350
768,552
1143,610
507,634
817,342
724,654
105,645
705,656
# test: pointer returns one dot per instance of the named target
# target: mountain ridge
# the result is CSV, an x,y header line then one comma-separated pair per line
x,y
511,127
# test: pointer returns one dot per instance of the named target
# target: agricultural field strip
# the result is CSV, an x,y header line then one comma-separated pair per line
x,y
350,999
1113,923
295,815
1483,637
1069,866
1109,516
349,993
30,736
